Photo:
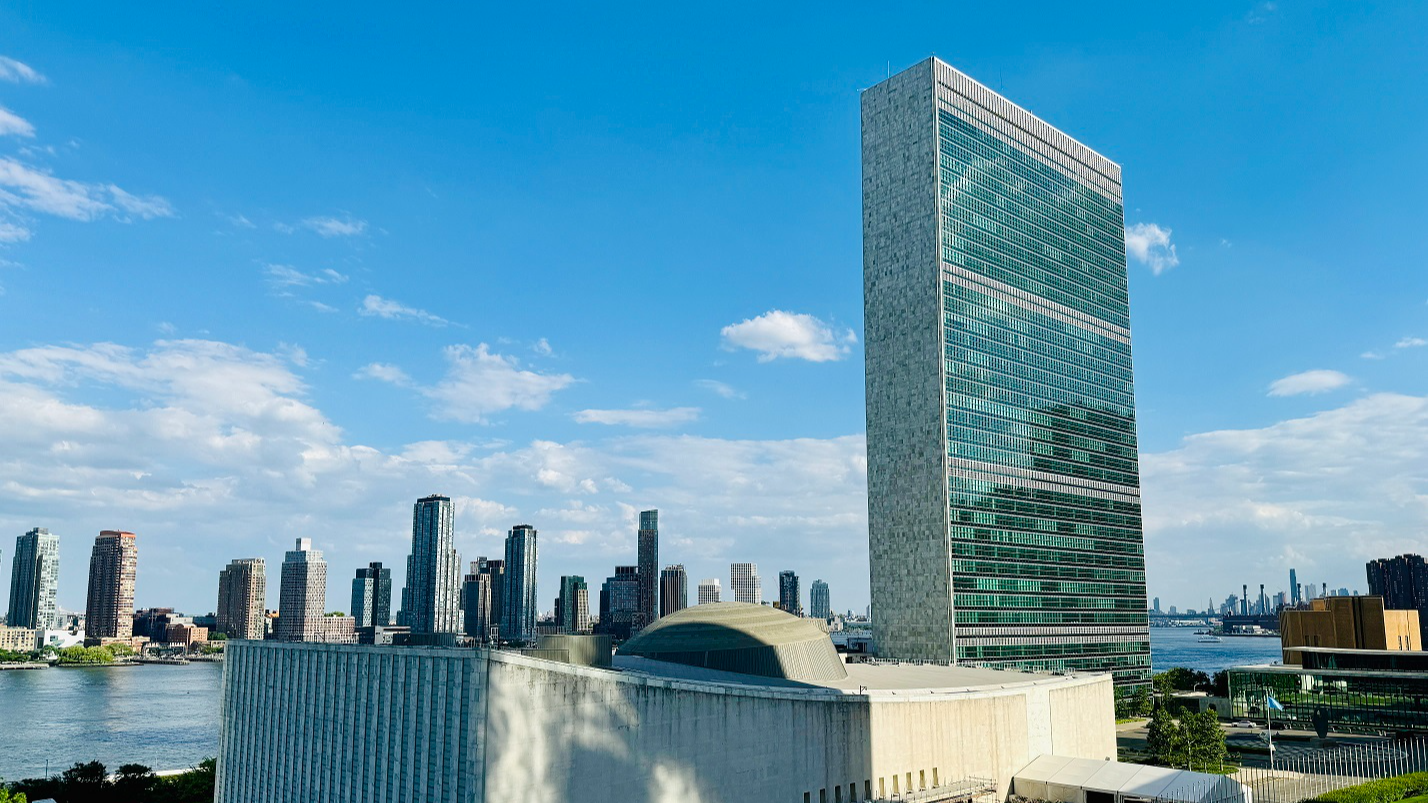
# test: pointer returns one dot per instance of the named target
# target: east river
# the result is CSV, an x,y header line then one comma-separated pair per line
x,y
166,717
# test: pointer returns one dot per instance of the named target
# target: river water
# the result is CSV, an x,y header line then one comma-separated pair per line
x,y
166,717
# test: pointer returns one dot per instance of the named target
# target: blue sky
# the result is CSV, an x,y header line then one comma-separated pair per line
x,y
276,273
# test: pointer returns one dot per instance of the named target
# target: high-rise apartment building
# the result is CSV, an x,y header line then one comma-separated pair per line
x,y
620,602
789,598
372,596
432,598
572,607
1402,582
673,589
242,599
818,606
709,591
34,581
744,582
648,560
1293,587
109,608
1003,482
302,595
476,600
518,608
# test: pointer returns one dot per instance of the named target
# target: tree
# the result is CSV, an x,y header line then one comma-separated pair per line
x,y
84,783
1220,683
1205,740
1165,739
1183,678
6,796
1141,702
135,784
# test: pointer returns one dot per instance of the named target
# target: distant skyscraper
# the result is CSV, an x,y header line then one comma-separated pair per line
x,y
1403,584
998,358
620,602
433,569
1294,587
744,582
242,599
476,599
788,594
673,590
572,607
648,560
113,563
818,605
1155,606
372,596
302,595
34,581
709,591
518,610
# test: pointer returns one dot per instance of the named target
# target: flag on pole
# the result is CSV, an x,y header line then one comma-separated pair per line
x,y
1272,703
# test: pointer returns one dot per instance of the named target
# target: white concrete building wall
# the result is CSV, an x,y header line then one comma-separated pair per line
x,y
327,723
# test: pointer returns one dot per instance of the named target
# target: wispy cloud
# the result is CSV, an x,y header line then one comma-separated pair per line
x,y
478,383
1149,244
374,306
281,276
722,388
384,372
1309,382
18,72
643,419
12,124
335,227
147,207
1411,343
33,190
542,347
13,233
794,335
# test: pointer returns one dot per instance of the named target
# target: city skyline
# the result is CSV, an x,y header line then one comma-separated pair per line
x,y
329,393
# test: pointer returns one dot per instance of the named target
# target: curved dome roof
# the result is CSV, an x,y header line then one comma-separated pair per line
x,y
744,638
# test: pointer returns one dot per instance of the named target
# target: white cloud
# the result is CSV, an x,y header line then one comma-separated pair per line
x,y
542,347
240,222
778,334
335,227
723,389
374,306
1311,382
178,440
384,372
1322,494
644,419
12,124
282,276
13,233
146,207
17,72
1411,343
479,383
24,188
1372,355
1150,245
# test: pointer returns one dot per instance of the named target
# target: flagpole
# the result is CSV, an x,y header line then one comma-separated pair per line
x,y
1269,727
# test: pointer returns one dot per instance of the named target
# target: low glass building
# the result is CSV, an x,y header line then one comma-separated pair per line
x,y
1357,691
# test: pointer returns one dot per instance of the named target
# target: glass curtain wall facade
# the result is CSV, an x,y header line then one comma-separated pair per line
x,y
34,581
1004,500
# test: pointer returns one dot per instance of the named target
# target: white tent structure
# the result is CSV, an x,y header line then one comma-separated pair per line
x,y
1084,780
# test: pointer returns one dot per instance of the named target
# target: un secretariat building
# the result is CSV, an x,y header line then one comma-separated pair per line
x,y
1003,483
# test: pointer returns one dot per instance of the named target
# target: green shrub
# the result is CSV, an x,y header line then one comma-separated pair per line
x,y
1385,790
